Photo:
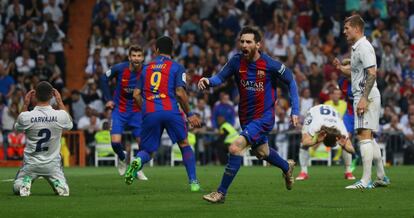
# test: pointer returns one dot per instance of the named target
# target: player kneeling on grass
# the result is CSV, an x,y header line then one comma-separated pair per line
x,y
43,127
322,124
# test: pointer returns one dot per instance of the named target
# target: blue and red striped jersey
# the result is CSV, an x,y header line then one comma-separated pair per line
x,y
126,81
256,82
158,82
346,88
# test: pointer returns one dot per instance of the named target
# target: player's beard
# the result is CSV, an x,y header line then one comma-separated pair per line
x,y
248,54
136,65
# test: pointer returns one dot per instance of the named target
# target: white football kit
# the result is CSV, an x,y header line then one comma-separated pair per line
x,y
362,58
43,128
323,115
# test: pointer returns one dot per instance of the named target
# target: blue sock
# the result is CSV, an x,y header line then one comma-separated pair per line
x,y
189,162
276,160
230,172
145,157
119,150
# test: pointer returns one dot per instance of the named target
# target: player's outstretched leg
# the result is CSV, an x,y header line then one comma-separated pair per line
x,y
119,150
303,161
136,165
190,167
233,166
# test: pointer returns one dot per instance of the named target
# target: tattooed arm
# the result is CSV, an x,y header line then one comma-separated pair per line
x,y
371,77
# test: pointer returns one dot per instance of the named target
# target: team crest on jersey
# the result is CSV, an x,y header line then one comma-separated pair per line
x,y
260,73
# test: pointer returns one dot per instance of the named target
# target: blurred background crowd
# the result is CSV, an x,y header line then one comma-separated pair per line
x,y
304,34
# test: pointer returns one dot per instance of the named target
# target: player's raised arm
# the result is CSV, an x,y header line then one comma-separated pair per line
x,y
27,99
228,69
285,74
344,67
58,98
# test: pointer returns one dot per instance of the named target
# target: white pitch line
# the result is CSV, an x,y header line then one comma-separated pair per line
x,y
7,180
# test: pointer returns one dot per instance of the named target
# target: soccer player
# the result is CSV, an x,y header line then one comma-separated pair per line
x,y
161,85
43,128
256,75
322,124
124,111
367,100
347,157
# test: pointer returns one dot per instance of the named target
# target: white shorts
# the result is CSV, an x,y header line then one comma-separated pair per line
x,y
370,118
52,172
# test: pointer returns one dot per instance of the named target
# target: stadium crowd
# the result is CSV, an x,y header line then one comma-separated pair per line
x,y
304,34
32,34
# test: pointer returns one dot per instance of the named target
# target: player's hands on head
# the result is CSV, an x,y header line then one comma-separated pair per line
x,y
57,95
110,104
194,120
295,120
28,97
203,83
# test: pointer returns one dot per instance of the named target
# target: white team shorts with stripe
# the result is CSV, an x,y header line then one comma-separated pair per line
x,y
370,118
52,172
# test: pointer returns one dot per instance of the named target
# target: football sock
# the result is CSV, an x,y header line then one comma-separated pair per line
x,y
367,156
189,162
378,160
119,150
347,157
303,159
230,172
145,157
276,160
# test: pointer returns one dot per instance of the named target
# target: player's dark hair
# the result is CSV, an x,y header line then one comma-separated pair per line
x,y
164,45
331,136
44,91
252,30
356,21
134,48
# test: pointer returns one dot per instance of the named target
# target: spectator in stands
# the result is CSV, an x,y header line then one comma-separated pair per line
x,y
8,65
306,102
408,72
336,101
394,125
408,129
24,63
282,123
315,79
54,10
404,118
7,86
392,91
78,106
224,107
205,113
8,118
54,41
17,141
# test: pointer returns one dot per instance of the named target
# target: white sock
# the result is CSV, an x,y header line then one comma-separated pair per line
x,y
347,157
378,160
367,150
304,159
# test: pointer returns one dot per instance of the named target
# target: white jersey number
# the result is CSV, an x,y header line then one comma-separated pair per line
x,y
45,134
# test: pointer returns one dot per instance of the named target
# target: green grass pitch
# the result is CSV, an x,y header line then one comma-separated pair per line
x,y
256,192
